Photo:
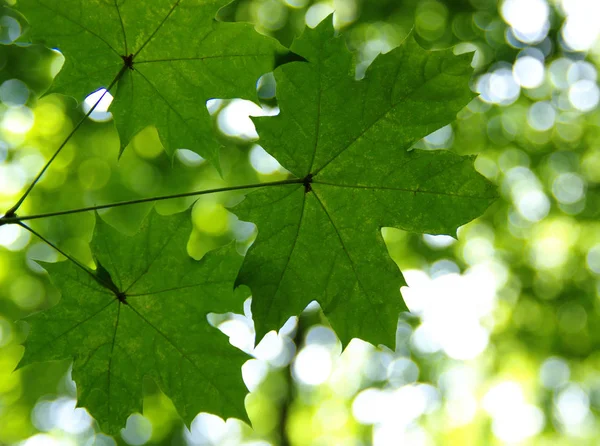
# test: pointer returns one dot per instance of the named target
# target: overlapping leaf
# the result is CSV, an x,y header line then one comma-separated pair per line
x,y
348,140
178,55
143,313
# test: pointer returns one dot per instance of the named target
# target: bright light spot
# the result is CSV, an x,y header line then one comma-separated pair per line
x,y
242,231
514,420
582,70
316,13
189,158
69,418
14,93
478,250
234,120
458,385
518,423
451,307
62,414
47,440
103,440
345,12
138,430
443,266
375,369
554,373
263,162
3,151
10,29
254,372
425,341
313,365
502,396
12,178
42,416
240,333
528,18
103,98
213,105
369,406
568,188
581,28
584,95
208,429
529,72
541,116
398,407
13,237
549,252
402,371
440,138
18,120
533,205
289,327
552,246
498,87
559,72
593,259
527,195
269,347
275,349
408,403
572,405
321,335
460,411
390,434
347,378
438,241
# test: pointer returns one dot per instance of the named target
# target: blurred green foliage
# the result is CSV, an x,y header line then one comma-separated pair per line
x,y
502,343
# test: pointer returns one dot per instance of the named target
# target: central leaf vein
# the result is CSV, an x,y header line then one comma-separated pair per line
x,y
110,357
181,352
358,281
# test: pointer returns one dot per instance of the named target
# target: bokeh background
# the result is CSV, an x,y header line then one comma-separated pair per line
x,y
502,342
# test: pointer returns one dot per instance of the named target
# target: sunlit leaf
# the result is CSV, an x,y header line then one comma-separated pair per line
x,y
348,140
169,57
143,313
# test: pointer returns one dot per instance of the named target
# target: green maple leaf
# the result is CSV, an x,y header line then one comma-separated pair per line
x,y
348,140
179,56
143,313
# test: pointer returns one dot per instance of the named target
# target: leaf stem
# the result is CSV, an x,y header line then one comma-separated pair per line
x,y
80,265
8,219
13,210
49,243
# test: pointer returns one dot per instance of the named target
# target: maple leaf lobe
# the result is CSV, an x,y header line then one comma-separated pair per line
x,y
348,140
116,338
182,58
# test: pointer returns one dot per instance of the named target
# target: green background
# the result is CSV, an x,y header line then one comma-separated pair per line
x,y
501,344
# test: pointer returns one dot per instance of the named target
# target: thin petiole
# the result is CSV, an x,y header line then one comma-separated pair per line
x,y
49,243
14,209
69,257
8,219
